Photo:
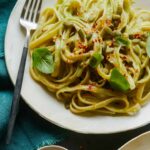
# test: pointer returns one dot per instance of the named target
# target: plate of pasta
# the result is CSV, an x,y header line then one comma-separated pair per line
x,y
88,68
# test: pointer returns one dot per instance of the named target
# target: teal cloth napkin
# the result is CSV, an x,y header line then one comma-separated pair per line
x,y
30,132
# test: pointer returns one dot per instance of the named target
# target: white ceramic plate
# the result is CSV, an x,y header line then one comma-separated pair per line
x,y
141,142
47,106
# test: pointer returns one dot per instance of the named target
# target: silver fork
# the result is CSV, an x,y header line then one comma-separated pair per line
x,y
28,20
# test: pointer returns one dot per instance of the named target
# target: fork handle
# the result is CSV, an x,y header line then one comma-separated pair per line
x,y
16,97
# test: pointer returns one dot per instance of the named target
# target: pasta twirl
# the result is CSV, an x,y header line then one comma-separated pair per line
x,y
94,55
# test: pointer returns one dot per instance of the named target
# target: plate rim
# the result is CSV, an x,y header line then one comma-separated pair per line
x,y
49,119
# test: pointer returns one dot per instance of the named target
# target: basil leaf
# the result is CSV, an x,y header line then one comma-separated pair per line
x,y
96,60
43,60
148,45
118,81
122,41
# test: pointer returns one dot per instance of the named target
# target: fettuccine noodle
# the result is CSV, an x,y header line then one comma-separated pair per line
x,y
73,31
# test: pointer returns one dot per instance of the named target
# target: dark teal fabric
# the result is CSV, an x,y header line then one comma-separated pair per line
x,y
29,132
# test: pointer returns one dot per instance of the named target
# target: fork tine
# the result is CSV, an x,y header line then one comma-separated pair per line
x,y
29,10
38,11
34,9
24,9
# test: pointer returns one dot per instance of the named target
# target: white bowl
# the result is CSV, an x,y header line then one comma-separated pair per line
x,y
141,142
52,147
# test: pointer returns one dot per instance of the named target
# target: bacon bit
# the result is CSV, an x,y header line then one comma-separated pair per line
x,y
137,36
107,57
124,57
86,50
113,42
127,67
90,87
81,46
99,40
95,40
94,25
108,22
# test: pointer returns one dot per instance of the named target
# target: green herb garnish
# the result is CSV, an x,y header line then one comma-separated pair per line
x,y
118,81
88,36
81,34
122,41
96,59
148,45
43,60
